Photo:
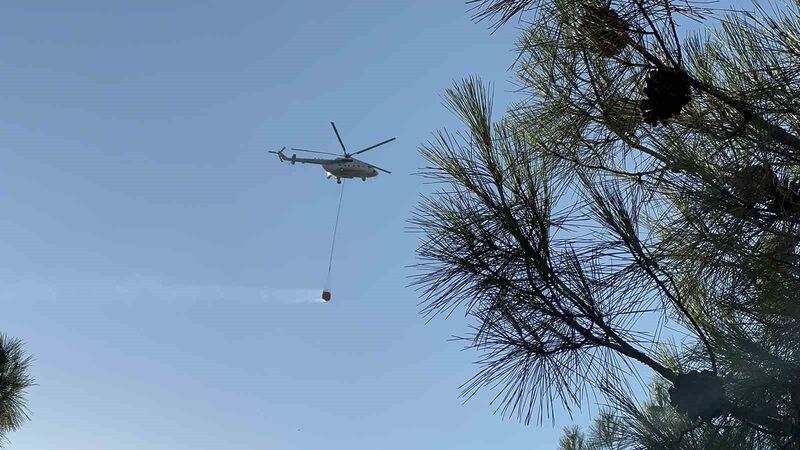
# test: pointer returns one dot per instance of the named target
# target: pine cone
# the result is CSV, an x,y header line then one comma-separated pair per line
x,y
786,199
698,394
606,31
779,256
667,92
621,115
753,184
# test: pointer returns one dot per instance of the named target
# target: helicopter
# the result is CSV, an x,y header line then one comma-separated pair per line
x,y
344,166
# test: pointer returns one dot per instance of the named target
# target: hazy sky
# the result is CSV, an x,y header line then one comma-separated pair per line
x,y
164,269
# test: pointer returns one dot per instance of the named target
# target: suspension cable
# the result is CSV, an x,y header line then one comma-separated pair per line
x,y
333,241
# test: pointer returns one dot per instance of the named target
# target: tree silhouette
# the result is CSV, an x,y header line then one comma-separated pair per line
x,y
14,380
646,179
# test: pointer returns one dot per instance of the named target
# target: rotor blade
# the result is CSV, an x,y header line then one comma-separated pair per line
x,y
376,145
270,151
340,139
376,167
314,151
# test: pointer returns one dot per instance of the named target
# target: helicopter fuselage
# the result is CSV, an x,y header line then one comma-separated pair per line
x,y
349,168
339,167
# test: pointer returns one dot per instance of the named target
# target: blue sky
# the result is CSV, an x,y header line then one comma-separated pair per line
x,y
163,268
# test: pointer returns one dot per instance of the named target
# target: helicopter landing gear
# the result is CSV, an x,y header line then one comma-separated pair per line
x,y
363,178
338,180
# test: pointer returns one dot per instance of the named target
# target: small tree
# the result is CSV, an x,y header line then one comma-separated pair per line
x,y
646,178
14,380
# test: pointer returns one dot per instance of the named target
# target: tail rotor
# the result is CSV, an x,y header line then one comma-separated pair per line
x,y
279,152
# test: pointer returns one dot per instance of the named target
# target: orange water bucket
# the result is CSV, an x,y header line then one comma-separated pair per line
x,y
326,295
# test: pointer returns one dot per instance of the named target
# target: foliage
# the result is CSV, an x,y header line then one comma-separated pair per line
x,y
572,233
656,425
14,380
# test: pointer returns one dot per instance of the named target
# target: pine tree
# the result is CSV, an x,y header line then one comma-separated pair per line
x,y
645,179
14,380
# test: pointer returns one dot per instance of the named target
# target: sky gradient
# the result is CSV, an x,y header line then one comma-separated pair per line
x,y
164,269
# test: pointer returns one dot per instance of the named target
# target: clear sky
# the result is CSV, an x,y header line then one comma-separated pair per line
x,y
163,268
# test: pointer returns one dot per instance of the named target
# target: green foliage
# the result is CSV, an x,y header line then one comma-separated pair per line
x,y
566,229
14,380
655,425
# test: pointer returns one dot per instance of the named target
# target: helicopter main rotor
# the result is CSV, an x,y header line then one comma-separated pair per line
x,y
344,149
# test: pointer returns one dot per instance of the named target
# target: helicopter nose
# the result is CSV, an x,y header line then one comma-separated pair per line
x,y
374,172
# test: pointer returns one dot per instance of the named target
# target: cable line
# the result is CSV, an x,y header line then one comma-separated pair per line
x,y
326,292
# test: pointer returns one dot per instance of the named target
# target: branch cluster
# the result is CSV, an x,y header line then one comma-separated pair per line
x,y
571,234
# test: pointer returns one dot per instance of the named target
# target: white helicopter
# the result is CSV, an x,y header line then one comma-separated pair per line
x,y
344,166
